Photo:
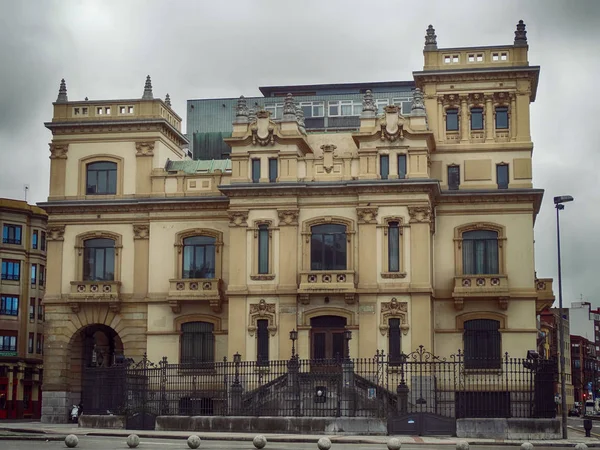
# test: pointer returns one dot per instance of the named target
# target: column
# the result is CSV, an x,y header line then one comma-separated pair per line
x,y
141,260
368,253
144,155
464,119
440,122
237,289
489,119
58,169
420,274
513,117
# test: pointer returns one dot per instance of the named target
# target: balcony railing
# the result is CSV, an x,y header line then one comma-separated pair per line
x,y
194,290
327,282
480,286
92,292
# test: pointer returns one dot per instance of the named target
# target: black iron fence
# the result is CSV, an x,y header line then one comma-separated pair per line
x,y
365,387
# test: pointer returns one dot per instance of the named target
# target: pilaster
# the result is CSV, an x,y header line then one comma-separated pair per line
x,y
288,248
144,155
237,289
489,119
141,261
58,169
464,119
367,246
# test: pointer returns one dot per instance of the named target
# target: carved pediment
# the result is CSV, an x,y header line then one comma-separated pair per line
x,y
392,124
262,129
394,310
263,311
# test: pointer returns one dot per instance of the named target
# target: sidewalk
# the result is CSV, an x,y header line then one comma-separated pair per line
x,y
41,432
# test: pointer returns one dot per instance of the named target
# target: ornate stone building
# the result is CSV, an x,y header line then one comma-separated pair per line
x,y
412,229
22,282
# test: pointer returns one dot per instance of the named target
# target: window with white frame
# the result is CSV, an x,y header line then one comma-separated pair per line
x,y
313,109
500,56
338,108
405,103
381,103
276,110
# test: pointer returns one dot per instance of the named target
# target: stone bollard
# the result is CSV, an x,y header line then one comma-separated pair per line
x,y
133,440
394,444
259,441
462,445
526,446
71,441
581,446
324,443
193,441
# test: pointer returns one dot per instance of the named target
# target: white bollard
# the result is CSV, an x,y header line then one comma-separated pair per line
x,y
581,446
394,444
71,441
259,441
324,443
133,440
526,446
462,445
193,441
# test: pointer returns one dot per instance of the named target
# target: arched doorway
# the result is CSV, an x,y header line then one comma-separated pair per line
x,y
327,337
93,348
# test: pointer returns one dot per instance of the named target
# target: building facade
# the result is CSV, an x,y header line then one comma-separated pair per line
x,y
584,367
22,284
415,228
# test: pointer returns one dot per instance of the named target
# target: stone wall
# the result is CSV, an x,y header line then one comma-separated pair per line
x,y
518,429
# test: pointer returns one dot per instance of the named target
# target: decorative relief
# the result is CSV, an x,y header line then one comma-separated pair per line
x,y
419,214
55,233
392,128
328,156
58,151
262,130
502,97
394,310
262,310
367,214
141,231
144,148
451,100
288,217
476,99
238,218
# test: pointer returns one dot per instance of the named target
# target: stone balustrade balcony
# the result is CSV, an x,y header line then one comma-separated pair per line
x,y
327,282
183,290
479,287
95,292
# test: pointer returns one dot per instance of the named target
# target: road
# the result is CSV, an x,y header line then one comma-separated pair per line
x,y
111,443
577,422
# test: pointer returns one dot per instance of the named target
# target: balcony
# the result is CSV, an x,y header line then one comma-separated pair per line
x,y
545,294
195,290
327,282
480,287
95,292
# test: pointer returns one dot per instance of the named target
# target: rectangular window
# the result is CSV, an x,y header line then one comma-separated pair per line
x,y
401,166
381,103
38,344
42,275
313,109
394,247
197,344
452,119
263,249
262,344
30,343
32,309
343,108
453,177
40,310
273,170
11,234
34,240
43,242
276,110
482,344
502,176
34,274
8,343
384,166
101,178
404,103
9,305
501,117
255,170
394,341
476,118
11,270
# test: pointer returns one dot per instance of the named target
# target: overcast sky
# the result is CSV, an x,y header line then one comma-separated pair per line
x,y
197,49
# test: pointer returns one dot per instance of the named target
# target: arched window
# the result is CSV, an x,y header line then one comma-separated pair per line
x,y
99,260
197,343
328,247
199,257
482,344
480,252
101,178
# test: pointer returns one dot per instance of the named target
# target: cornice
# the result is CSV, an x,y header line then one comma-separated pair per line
x,y
494,196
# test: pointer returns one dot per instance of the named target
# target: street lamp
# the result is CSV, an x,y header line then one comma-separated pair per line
x,y
293,337
559,205
347,337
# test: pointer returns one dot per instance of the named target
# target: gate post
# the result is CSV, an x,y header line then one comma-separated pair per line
x,y
292,397
347,401
402,391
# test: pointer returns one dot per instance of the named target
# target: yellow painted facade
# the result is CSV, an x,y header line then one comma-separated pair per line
x,y
322,178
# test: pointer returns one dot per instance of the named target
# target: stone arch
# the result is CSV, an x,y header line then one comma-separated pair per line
x,y
462,318
350,316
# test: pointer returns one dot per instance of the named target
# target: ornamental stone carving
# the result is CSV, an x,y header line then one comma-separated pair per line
x,y
62,92
328,156
55,233
144,148
262,129
289,109
392,128
520,35
238,218
141,231
288,217
418,107
367,214
369,109
430,38
241,111
58,151
419,214
394,310
262,311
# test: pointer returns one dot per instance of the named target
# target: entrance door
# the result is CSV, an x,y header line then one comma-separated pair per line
x,y
327,338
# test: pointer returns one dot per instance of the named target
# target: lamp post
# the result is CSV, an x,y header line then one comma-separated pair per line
x,y
293,337
347,337
559,205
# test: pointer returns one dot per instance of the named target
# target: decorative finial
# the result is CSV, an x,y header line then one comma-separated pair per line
x,y
418,107
368,105
251,115
300,118
521,35
289,109
148,90
62,92
430,39
168,100
241,111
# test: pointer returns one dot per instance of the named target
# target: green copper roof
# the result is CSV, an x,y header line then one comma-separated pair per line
x,y
197,166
